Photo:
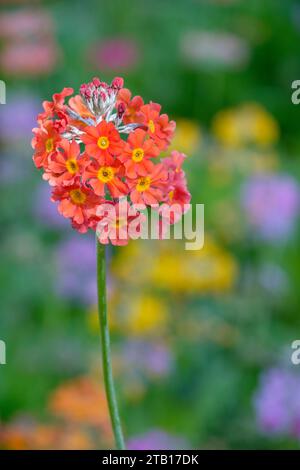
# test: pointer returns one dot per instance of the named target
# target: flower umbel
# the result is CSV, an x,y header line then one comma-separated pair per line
x,y
104,144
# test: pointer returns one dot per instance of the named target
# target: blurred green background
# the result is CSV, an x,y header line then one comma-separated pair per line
x,y
201,339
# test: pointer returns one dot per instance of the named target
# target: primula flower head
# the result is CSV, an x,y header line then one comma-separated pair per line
x,y
102,145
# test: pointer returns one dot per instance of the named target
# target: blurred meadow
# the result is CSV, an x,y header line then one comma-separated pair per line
x,y
201,339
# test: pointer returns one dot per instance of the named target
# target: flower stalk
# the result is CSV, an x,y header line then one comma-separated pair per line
x,y
105,344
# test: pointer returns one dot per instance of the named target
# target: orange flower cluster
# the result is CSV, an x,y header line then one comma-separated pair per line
x,y
79,419
31,435
103,147
81,401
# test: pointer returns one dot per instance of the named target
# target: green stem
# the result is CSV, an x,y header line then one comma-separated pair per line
x,y
105,344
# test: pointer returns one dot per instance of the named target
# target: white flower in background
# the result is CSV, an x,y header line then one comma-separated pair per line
x,y
213,49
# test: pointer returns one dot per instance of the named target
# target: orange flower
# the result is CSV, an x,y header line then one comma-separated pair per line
x,y
44,143
65,165
115,221
30,435
56,110
133,106
76,203
100,177
149,189
137,151
81,400
51,108
76,104
160,129
102,142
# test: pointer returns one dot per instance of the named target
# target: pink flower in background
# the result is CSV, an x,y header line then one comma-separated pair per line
x,y
157,439
271,204
29,58
29,46
13,167
149,358
45,211
25,24
76,280
115,54
277,403
18,116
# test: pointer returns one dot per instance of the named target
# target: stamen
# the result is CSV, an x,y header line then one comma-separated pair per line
x,y
138,155
151,126
103,142
72,166
106,174
77,196
143,184
49,145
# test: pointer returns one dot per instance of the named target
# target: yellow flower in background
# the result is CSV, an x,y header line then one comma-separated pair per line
x,y
211,269
137,314
187,137
129,264
224,164
171,268
147,314
247,124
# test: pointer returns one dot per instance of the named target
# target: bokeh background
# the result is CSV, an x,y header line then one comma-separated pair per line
x,y
201,339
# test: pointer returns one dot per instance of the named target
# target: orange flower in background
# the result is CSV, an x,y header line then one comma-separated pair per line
x,y
83,401
102,142
25,434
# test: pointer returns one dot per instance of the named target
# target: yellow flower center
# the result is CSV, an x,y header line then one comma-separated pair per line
x,y
103,142
106,174
143,184
120,222
77,196
49,145
171,195
151,126
137,155
72,166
